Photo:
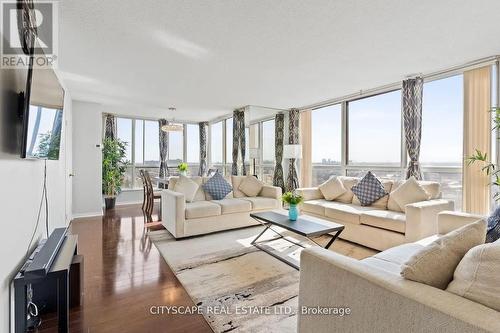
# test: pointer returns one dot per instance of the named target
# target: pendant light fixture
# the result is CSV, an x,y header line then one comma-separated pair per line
x,y
171,126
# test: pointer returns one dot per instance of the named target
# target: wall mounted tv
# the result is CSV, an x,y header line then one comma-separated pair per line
x,y
42,114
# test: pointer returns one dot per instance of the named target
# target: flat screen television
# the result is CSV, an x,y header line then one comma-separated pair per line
x,y
42,113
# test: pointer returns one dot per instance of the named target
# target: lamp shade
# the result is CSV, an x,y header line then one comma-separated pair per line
x,y
292,151
254,153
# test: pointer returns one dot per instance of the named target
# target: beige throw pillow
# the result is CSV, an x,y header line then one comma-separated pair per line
x,y
435,264
186,186
409,192
251,186
477,276
348,183
332,188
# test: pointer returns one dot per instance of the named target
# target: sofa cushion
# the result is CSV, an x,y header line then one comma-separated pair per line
x,y
385,219
382,264
369,189
332,188
199,209
217,187
187,187
236,182
259,203
314,206
477,275
432,188
435,264
409,192
344,212
200,194
382,202
251,186
391,260
348,183
229,206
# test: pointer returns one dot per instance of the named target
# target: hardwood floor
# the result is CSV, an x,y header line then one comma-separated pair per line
x,y
124,275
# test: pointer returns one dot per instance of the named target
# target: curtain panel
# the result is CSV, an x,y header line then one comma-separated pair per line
x,y
412,92
163,137
109,126
203,148
278,137
239,142
477,135
306,142
293,138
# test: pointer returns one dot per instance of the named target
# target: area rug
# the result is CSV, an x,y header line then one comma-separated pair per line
x,y
238,287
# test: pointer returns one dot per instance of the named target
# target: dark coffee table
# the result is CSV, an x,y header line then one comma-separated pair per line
x,y
305,226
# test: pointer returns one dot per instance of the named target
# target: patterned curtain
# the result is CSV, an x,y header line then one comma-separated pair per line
x,y
110,127
239,141
163,149
412,117
279,134
292,181
203,148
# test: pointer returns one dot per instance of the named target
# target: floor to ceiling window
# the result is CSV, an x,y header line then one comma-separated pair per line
x,y
441,150
326,136
374,135
193,148
175,148
265,167
216,146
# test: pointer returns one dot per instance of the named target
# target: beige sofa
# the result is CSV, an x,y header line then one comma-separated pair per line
x,y
379,299
383,224
204,215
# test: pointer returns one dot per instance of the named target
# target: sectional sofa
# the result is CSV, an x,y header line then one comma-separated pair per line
x,y
204,215
383,224
379,299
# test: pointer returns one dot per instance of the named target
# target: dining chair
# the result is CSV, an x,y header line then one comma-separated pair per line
x,y
152,195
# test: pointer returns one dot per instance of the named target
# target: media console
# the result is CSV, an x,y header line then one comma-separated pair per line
x,y
50,278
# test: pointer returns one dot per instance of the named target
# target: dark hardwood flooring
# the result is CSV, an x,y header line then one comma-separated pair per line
x,y
124,275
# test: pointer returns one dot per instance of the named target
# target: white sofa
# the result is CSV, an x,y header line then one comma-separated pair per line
x,y
204,215
380,300
383,224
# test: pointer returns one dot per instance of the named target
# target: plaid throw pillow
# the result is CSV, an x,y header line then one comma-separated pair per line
x,y
493,233
369,189
217,187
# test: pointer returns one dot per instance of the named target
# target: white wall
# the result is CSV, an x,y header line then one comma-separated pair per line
x,y
87,157
22,187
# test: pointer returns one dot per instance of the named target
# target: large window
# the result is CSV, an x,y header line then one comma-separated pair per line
x,y
229,145
441,150
216,145
268,152
326,136
143,148
175,148
375,130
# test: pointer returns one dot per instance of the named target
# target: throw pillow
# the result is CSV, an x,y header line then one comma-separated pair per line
x,y
251,186
409,192
332,188
217,187
493,232
476,276
186,186
434,264
369,189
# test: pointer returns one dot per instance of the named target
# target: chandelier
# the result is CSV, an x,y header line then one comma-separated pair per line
x,y
172,127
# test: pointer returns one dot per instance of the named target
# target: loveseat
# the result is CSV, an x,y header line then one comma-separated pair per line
x,y
204,215
384,224
379,299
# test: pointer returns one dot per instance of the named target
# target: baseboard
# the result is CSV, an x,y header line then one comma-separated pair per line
x,y
129,203
90,214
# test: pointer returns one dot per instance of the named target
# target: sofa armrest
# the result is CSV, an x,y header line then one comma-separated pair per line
x,y
173,212
310,193
379,301
421,218
269,191
449,220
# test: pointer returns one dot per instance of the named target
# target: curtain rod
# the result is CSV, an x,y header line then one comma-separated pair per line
x,y
397,85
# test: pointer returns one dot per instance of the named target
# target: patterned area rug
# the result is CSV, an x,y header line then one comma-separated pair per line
x,y
240,288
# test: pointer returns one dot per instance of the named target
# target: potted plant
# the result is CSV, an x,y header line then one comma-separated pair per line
x,y
183,169
114,165
292,199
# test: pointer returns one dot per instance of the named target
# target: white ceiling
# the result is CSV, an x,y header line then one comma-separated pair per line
x,y
209,57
